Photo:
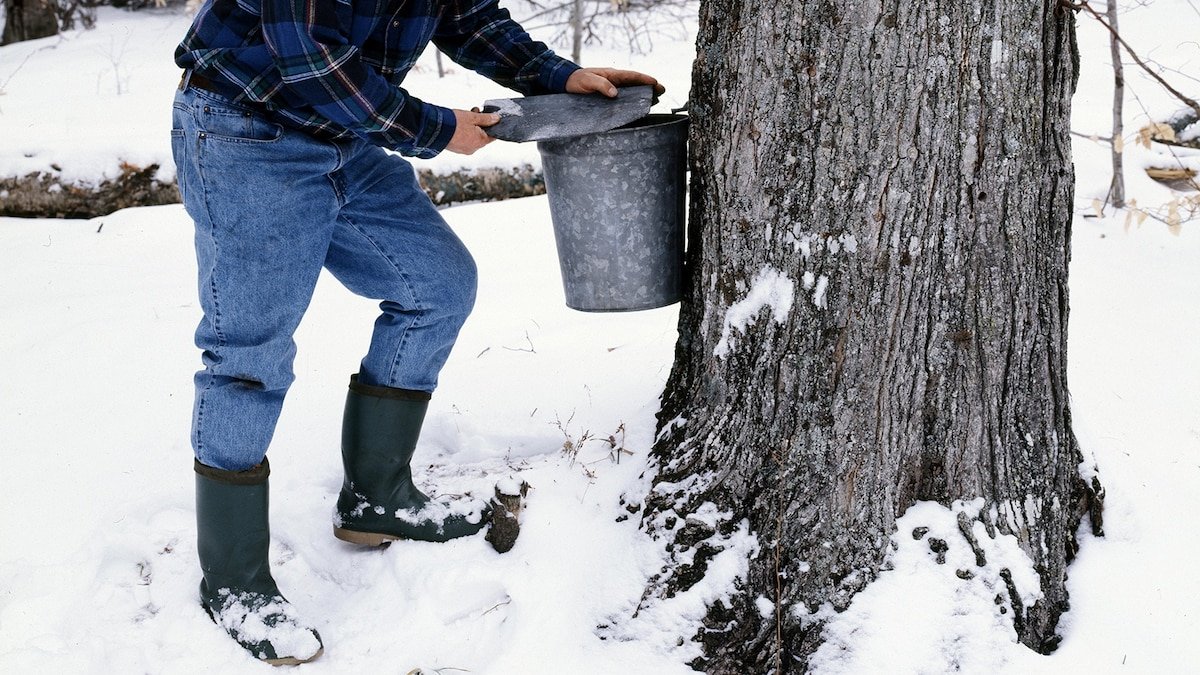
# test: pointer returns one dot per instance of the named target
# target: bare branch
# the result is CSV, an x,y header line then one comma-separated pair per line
x,y
1092,137
1193,6
1137,59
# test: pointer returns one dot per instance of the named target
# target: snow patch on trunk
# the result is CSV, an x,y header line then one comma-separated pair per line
x,y
934,609
670,623
771,288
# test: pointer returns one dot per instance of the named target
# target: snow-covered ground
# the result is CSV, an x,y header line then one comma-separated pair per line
x,y
97,550
98,572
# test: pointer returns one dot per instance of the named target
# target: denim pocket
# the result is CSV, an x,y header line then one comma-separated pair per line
x,y
224,121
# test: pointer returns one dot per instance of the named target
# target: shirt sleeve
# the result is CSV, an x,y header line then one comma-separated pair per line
x,y
308,40
482,36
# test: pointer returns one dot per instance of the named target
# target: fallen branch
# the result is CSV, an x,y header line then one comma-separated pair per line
x,y
44,194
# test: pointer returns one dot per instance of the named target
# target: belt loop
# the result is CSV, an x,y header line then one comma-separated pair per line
x,y
186,80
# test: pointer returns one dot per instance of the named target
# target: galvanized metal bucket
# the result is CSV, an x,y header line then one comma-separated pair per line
x,y
617,204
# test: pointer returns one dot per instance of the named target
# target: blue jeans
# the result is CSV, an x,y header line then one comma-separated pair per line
x,y
272,206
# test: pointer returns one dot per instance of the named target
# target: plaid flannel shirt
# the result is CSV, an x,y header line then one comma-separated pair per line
x,y
334,67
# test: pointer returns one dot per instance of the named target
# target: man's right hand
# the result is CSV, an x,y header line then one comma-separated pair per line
x,y
469,135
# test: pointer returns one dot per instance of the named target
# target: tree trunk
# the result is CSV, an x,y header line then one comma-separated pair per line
x,y
1117,193
576,21
877,303
28,20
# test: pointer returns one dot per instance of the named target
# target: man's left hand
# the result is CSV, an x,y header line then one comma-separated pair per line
x,y
606,80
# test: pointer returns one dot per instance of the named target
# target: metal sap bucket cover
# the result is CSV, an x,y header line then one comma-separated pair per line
x,y
617,204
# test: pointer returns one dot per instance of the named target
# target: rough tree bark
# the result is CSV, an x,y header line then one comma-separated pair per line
x,y
28,20
904,170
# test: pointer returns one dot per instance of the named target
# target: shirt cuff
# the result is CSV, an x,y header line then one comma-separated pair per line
x,y
436,132
556,73
550,71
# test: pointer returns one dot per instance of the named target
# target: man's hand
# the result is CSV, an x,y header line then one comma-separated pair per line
x,y
606,81
469,135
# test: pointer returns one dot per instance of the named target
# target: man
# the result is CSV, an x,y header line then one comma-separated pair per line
x,y
280,126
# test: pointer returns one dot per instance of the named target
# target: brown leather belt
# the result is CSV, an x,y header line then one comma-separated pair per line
x,y
198,81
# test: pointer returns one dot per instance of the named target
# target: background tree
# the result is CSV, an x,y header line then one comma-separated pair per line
x,y
579,22
877,313
1117,188
28,20
33,19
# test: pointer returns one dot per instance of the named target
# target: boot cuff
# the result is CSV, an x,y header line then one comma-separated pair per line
x,y
255,475
387,392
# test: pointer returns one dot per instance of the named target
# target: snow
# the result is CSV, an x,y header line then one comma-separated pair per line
x,y
442,509
98,570
254,619
772,289
765,607
946,623
818,298
1191,132
508,486
507,107
806,243
658,621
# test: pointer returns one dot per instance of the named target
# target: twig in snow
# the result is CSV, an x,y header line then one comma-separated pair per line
x,y
497,606
591,476
28,56
531,349
617,447
571,446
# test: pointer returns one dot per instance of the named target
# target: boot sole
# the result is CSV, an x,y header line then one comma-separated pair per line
x,y
364,538
293,661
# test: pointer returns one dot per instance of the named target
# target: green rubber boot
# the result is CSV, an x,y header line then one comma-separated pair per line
x,y
237,590
379,502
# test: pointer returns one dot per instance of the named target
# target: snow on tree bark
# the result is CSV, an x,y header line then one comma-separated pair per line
x,y
903,171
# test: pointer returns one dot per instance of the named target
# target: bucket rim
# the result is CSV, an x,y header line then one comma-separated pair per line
x,y
657,120
654,122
